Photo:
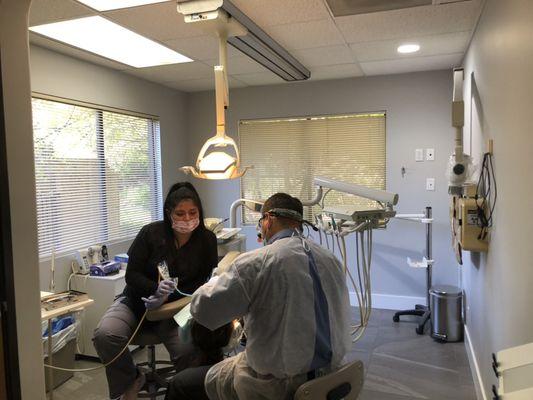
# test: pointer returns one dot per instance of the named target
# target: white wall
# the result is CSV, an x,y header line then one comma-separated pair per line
x,y
59,75
418,115
499,96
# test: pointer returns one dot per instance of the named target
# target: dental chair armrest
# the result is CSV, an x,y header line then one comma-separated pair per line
x,y
168,310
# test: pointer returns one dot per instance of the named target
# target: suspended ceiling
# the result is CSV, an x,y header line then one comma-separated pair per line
x,y
330,47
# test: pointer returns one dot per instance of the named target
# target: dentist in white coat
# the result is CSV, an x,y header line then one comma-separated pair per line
x,y
293,297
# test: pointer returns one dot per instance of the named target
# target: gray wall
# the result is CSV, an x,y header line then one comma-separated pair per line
x,y
59,75
418,116
499,95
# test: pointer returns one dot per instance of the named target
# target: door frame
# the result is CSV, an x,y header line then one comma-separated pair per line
x,y
7,282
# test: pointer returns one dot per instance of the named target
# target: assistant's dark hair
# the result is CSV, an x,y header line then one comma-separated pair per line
x,y
283,200
178,192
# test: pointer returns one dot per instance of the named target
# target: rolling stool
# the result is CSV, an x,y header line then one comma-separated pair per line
x,y
156,378
345,384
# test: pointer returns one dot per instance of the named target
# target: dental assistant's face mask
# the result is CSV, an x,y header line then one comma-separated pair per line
x,y
185,217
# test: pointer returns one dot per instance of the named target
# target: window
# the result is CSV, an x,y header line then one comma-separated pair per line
x,y
288,153
97,175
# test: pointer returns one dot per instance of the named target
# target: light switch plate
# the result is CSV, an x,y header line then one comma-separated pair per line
x,y
430,184
419,154
430,154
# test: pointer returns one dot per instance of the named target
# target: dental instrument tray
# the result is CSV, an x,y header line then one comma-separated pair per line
x,y
355,214
62,299
226,234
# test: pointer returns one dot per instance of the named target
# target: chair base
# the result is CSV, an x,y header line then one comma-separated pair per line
x,y
156,378
419,311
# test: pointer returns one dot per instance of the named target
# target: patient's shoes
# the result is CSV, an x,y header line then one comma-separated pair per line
x,y
131,392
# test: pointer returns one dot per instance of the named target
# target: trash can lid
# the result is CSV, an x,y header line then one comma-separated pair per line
x,y
446,290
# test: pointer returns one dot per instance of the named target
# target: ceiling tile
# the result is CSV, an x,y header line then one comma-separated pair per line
x,y
277,12
199,48
240,65
159,21
410,22
199,85
414,64
46,11
304,35
335,72
447,43
74,52
260,79
193,85
329,55
174,72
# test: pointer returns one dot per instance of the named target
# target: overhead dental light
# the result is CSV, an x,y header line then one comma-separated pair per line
x,y
222,161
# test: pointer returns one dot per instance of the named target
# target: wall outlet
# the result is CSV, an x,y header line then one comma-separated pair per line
x,y
419,154
430,154
430,184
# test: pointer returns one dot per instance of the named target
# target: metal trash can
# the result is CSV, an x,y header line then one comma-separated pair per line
x,y
446,313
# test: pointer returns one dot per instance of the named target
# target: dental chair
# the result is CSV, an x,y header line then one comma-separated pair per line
x,y
157,377
345,383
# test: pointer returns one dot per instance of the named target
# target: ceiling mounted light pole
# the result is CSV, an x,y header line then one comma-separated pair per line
x,y
222,161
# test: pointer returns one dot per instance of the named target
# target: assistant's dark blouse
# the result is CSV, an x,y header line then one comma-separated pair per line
x,y
192,263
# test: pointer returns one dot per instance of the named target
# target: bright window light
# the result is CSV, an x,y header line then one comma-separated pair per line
x,y
106,5
408,48
105,38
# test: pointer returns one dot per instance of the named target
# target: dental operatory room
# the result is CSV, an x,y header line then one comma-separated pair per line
x,y
266,199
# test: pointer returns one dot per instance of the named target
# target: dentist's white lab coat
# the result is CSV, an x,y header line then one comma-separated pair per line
x,y
274,290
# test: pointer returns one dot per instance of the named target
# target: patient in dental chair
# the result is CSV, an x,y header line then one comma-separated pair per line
x,y
192,369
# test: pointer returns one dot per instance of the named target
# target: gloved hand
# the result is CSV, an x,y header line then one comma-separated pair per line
x,y
165,288
153,301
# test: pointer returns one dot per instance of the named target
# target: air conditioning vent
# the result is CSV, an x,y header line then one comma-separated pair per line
x,y
341,8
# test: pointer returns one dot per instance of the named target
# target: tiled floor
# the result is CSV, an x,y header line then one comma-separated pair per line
x,y
399,365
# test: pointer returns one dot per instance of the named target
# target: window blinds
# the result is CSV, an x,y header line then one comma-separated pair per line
x,y
288,153
97,175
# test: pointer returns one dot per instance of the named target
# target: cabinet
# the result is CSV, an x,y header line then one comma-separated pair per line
x,y
103,290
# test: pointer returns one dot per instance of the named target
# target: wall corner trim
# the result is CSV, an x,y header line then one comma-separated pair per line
x,y
474,367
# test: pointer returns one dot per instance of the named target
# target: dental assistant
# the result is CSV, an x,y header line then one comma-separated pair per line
x,y
293,297
190,252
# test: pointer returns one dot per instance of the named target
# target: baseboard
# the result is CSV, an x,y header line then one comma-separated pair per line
x,y
474,367
391,302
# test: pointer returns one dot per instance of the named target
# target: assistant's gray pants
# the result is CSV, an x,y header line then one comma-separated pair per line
x,y
113,332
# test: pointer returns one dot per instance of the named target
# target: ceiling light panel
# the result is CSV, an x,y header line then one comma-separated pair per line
x,y
106,5
105,38
408,48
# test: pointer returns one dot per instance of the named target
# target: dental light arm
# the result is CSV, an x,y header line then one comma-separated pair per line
x,y
460,166
253,205
223,161
458,113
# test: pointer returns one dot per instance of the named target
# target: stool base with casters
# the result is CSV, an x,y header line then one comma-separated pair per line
x,y
424,312
156,377
419,311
